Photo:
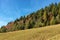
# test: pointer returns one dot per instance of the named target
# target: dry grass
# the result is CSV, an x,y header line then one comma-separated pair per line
x,y
57,37
44,33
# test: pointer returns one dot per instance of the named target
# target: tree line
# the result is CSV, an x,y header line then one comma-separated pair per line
x,y
50,15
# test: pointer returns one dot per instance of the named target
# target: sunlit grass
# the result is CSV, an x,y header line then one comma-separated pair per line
x,y
44,33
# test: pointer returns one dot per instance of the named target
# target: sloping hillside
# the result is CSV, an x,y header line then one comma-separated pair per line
x,y
50,15
43,33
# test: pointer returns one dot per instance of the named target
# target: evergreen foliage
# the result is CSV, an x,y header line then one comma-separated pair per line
x,y
49,15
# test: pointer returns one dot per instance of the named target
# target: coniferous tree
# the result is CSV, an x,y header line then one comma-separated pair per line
x,y
3,29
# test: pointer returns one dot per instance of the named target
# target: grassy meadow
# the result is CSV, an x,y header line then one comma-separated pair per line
x,y
43,33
